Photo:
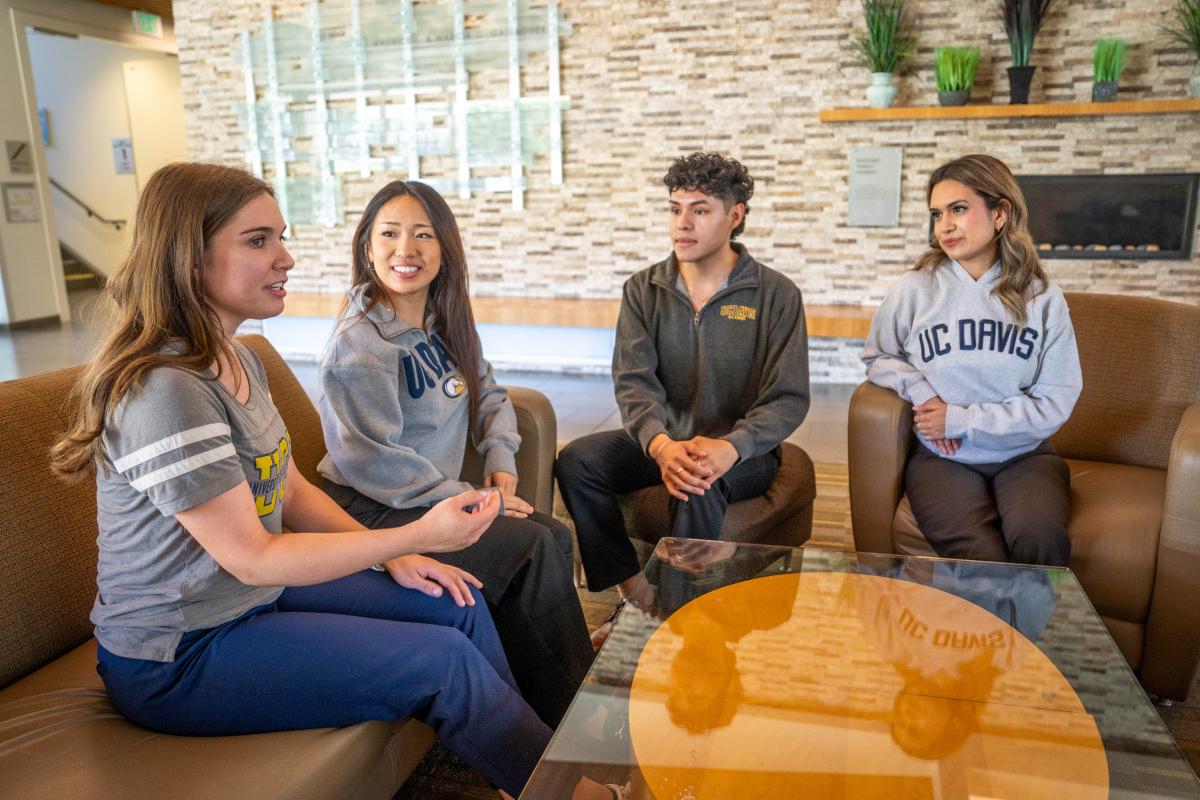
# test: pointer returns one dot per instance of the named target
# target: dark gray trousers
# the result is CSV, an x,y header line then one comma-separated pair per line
x,y
526,567
1012,511
594,470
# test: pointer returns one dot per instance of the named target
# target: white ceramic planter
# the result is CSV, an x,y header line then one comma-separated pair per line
x,y
882,92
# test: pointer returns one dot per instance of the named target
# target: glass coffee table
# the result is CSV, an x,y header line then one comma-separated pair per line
x,y
748,671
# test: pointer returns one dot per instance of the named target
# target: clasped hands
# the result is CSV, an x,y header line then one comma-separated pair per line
x,y
929,421
689,466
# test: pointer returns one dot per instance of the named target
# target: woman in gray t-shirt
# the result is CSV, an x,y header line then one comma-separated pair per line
x,y
198,634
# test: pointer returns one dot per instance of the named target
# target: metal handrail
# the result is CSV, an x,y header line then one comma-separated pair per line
x,y
116,223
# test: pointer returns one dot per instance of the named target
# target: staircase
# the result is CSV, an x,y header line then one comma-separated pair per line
x,y
76,272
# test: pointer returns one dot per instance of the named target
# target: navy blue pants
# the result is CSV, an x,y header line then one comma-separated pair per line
x,y
358,648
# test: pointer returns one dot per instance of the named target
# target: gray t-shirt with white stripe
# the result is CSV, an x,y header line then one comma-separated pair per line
x,y
171,445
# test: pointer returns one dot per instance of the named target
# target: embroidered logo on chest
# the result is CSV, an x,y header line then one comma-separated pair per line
x,y
739,313
454,386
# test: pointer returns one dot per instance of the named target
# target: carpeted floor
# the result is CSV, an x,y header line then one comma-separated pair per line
x,y
442,776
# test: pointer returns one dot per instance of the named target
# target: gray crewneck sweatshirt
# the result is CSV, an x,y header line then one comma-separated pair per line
x,y
394,411
1009,386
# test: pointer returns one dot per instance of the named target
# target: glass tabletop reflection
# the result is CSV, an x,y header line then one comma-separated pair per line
x,y
755,671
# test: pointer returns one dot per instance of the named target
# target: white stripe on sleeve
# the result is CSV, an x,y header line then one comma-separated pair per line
x,y
183,467
172,442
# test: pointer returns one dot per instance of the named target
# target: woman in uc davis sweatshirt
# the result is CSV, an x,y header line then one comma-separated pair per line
x,y
404,385
981,343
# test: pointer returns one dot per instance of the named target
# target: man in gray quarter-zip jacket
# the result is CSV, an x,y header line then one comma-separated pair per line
x,y
710,371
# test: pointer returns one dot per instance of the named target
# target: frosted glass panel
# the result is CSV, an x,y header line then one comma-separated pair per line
x,y
365,87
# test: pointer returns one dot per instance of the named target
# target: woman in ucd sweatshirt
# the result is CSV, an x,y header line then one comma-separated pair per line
x,y
980,342
404,385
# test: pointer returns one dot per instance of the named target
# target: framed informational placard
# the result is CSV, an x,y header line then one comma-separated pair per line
x,y
20,202
875,186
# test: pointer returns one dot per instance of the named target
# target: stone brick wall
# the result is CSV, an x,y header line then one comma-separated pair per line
x,y
651,79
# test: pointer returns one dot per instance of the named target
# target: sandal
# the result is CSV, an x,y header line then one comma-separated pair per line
x,y
601,634
620,792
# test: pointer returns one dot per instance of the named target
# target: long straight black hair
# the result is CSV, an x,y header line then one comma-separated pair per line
x,y
448,294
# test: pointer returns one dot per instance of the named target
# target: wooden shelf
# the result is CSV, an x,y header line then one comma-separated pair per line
x,y
998,111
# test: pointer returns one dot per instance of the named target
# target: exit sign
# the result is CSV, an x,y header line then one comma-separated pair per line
x,y
147,24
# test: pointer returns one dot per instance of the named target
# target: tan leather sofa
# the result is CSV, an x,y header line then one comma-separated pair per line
x,y
1133,448
60,736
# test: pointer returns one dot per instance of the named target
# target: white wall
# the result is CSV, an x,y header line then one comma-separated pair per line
x,y
31,284
81,82
155,114
27,257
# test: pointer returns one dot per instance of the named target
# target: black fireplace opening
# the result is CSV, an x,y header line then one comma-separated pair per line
x,y
1112,216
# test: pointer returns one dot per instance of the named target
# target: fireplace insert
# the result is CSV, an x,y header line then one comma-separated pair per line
x,y
1112,216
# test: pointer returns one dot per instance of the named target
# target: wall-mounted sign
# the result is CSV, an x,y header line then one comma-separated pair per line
x,y
147,24
20,157
875,186
20,202
123,155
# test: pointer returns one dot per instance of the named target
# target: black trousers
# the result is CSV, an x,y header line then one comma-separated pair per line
x,y
594,470
526,569
1015,510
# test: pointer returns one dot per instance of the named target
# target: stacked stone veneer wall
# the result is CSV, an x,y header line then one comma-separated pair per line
x,y
649,80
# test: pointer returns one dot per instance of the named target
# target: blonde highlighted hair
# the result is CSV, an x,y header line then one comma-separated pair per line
x,y
159,295
1021,273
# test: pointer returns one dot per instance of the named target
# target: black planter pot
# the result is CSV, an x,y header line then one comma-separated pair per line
x,y
958,98
1104,91
1019,79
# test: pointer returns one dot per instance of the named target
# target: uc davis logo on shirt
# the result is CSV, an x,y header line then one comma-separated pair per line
x,y
272,474
739,313
428,366
985,334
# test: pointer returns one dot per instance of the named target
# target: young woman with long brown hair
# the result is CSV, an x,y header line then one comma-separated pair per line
x,y
405,386
198,634
980,342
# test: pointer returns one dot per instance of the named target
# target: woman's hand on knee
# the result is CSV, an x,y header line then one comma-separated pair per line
x,y
515,506
433,577
458,522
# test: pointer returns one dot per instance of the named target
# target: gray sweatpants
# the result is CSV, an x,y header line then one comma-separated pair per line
x,y
1015,510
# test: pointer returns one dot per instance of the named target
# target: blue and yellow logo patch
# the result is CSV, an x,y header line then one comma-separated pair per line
x,y
454,386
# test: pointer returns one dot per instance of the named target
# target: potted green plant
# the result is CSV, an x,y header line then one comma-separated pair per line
x,y
1108,62
1184,28
1022,21
954,70
887,43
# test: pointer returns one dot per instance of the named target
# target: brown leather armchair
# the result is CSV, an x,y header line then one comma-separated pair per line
x,y
1133,447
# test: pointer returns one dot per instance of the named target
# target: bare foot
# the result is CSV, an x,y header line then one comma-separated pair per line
x,y
600,635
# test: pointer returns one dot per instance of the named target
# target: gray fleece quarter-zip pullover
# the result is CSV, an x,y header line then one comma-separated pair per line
x,y
737,369
394,411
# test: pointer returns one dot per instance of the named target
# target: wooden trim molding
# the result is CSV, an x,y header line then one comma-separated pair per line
x,y
850,322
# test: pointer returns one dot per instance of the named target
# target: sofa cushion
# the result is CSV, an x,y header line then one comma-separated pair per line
x,y
1116,514
61,737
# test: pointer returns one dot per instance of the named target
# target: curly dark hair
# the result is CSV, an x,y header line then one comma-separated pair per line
x,y
716,175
